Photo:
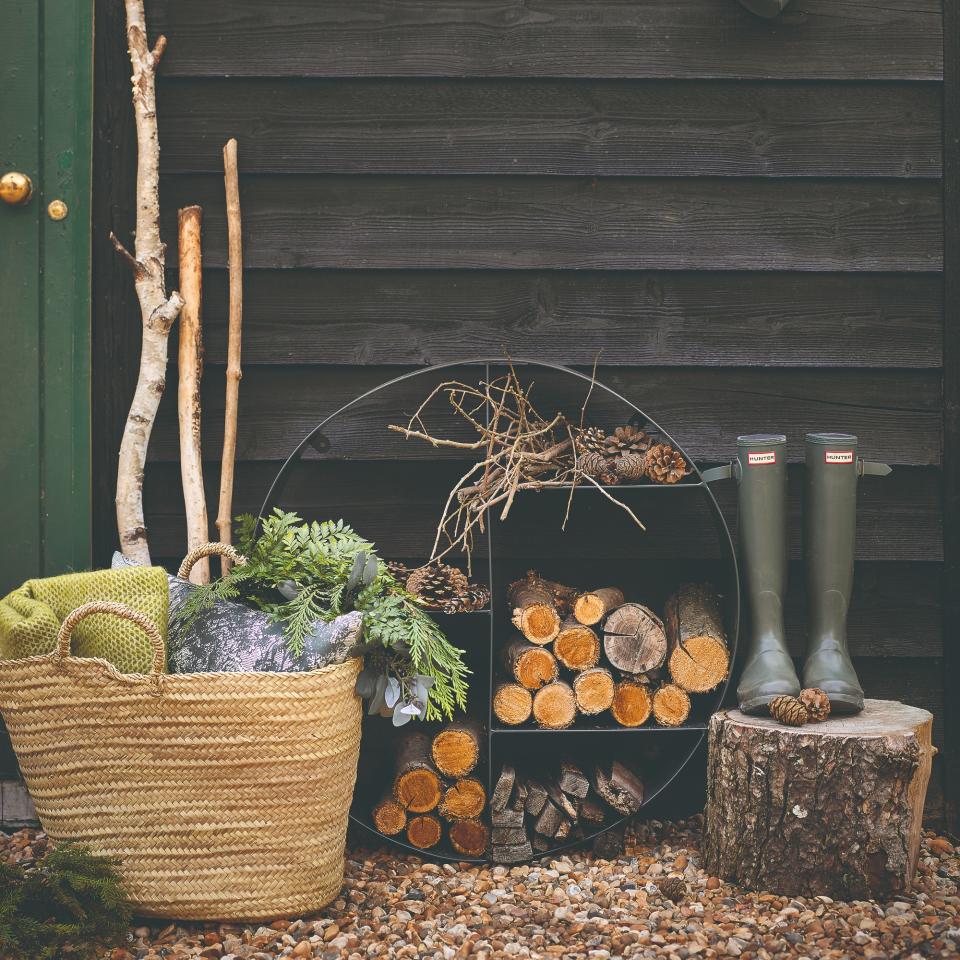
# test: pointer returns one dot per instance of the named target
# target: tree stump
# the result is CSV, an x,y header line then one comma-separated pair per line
x,y
827,809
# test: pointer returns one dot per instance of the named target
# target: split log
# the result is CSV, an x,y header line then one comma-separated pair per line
x,y
507,817
189,374
593,690
565,804
389,817
512,854
540,843
671,705
231,182
590,608
470,837
577,647
519,801
592,810
512,704
456,748
564,830
631,703
620,787
416,786
572,780
609,844
634,639
699,658
503,788
549,819
531,665
424,831
463,800
509,836
536,797
554,706
534,609
827,809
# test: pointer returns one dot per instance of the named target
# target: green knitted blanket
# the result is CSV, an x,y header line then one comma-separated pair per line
x,y
30,616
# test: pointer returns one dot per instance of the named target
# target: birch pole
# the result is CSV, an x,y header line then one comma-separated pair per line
x,y
158,311
231,181
190,369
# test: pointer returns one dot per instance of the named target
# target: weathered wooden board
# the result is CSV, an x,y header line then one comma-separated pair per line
x,y
657,38
896,413
668,318
572,222
589,127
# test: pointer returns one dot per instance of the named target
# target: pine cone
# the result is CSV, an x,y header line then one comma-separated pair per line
x,y
630,466
592,464
625,440
437,584
476,597
608,478
673,888
788,711
399,571
590,440
817,703
664,464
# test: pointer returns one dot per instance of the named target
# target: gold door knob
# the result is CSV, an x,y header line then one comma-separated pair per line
x,y
15,188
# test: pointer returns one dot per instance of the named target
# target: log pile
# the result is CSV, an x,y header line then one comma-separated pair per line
x,y
588,652
536,814
434,785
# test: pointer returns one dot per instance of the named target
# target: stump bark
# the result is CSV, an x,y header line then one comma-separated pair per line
x,y
827,809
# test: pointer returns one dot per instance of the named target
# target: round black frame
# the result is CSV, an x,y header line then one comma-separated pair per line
x,y
316,441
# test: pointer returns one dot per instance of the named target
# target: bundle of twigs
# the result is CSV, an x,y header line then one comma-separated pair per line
x,y
518,448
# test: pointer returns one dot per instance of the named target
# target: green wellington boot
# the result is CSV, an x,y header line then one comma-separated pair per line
x,y
761,474
829,537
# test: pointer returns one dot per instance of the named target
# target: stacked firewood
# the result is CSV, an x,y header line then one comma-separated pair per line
x,y
583,653
434,790
538,814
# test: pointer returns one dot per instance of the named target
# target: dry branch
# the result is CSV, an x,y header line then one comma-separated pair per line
x,y
158,311
231,182
190,372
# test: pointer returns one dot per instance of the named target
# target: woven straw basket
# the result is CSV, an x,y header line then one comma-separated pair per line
x,y
223,795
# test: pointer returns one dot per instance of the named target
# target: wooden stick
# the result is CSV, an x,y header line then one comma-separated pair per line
x,y
389,817
577,646
464,800
532,666
456,748
424,831
512,704
231,182
671,705
554,706
158,311
190,367
699,658
590,608
417,786
593,690
534,609
631,703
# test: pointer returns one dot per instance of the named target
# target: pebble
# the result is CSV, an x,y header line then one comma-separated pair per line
x,y
574,906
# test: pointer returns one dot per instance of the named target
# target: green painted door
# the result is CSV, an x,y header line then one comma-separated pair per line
x,y
45,133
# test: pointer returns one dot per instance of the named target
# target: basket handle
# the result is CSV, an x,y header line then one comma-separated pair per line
x,y
118,610
209,550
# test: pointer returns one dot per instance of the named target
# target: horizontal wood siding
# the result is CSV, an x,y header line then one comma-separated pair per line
x,y
741,221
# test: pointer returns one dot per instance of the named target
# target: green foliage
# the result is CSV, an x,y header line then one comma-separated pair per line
x,y
334,570
69,905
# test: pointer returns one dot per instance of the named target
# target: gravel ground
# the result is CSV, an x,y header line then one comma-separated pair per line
x,y
574,907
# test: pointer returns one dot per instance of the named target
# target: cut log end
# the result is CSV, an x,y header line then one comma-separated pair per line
x,y
593,690
671,705
470,837
632,704
539,623
590,608
389,817
532,666
512,704
634,639
701,664
456,749
554,705
424,831
463,800
577,647
418,790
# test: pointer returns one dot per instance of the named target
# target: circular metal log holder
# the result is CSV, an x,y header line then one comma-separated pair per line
x,y
685,739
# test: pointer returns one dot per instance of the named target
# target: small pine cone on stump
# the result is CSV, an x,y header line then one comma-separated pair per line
x,y
817,703
788,710
665,465
673,888
630,466
437,584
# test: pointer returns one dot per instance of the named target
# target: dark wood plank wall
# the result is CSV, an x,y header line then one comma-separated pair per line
x,y
746,218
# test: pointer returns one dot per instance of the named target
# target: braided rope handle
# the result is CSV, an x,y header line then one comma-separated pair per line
x,y
117,610
209,550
